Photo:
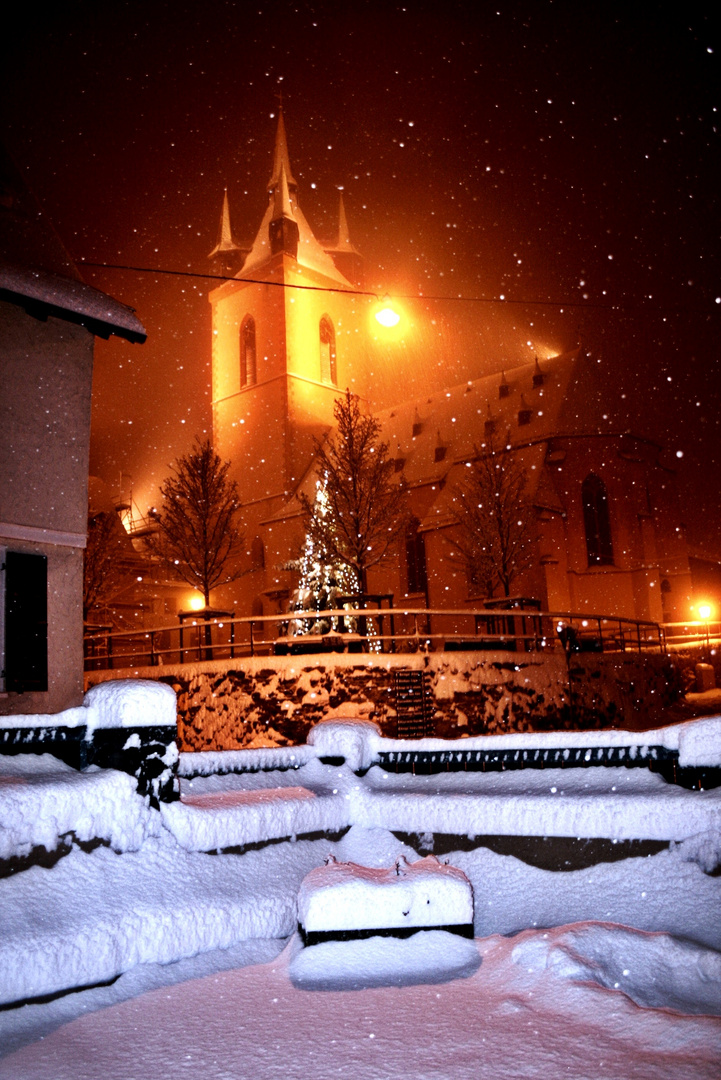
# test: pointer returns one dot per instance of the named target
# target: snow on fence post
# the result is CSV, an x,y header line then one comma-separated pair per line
x,y
125,724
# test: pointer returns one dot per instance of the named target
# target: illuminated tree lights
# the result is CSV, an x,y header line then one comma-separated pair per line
x,y
363,512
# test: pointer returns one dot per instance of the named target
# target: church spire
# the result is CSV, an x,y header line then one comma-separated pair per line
x,y
283,228
281,158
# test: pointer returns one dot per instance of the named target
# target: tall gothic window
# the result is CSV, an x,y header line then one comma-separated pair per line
x,y
597,521
328,372
248,370
417,575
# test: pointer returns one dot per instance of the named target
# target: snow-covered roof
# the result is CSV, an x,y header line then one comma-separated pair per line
x,y
311,253
62,295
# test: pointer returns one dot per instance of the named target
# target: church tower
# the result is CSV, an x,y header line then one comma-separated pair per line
x,y
288,338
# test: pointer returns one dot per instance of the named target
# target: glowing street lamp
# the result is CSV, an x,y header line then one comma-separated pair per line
x,y
197,603
387,316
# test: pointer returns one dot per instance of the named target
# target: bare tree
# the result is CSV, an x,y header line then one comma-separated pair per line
x,y
363,507
109,563
198,536
495,528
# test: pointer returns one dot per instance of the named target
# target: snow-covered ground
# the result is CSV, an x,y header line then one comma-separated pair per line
x,y
612,970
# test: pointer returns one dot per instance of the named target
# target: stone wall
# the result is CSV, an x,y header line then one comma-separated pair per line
x,y
265,701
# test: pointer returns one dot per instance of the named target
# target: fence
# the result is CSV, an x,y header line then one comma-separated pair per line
x,y
399,630
679,634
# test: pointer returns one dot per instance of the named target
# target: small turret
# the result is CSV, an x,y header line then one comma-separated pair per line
x,y
227,256
344,253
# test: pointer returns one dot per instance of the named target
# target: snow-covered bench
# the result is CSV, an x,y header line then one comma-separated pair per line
x,y
344,901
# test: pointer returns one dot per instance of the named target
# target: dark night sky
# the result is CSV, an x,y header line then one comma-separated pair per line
x,y
537,150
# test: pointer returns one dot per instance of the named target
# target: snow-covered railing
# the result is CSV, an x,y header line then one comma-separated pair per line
x,y
688,754
129,725
389,630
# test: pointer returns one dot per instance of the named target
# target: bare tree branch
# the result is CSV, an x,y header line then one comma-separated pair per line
x,y
496,533
198,536
109,563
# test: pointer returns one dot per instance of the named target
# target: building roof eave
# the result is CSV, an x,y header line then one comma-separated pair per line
x,y
42,294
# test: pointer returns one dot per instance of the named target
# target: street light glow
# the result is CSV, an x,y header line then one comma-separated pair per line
x,y
705,611
388,317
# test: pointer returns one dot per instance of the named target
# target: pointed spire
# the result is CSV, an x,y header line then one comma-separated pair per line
x,y
225,243
344,241
281,158
283,229
281,197
344,252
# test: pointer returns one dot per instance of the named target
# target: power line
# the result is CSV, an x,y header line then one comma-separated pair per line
x,y
585,304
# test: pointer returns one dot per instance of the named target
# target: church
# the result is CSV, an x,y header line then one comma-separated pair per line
x,y
292,328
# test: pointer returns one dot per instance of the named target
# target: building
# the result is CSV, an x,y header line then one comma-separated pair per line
x,y
49,319
291,333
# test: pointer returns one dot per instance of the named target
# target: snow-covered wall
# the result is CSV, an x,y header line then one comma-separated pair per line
x,y
262,701
125,724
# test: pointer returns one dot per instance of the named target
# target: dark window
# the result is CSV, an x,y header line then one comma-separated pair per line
x,y
504,390
524,416
328,372
248,367
26,622
257,554
416,560
539,378
399,463
597,521
489,428
440,453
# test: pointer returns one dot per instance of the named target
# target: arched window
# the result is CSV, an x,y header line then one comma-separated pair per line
x,y
257,554
327,352
597,521
248,371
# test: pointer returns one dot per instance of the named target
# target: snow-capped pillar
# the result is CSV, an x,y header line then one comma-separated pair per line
x,y
132,726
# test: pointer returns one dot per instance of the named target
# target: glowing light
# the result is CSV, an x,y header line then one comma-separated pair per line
x,y
388,317
197,603
705,611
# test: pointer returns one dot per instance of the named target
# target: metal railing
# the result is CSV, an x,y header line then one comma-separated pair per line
x,y
390,630
696,632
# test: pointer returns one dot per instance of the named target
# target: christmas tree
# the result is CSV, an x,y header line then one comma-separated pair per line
x,y
322,578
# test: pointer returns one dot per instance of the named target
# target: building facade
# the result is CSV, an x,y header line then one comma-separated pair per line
x,y
291,332
48,323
